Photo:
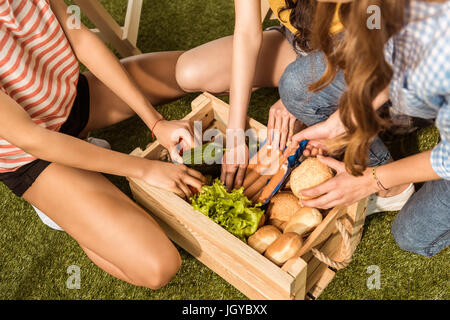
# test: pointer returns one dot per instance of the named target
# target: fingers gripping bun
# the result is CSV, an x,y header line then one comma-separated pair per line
x,y
308,174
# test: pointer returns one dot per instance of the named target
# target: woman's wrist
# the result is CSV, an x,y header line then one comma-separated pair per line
x,y
236,125
335,125
238,118
145,110
139,168
156,125
371,179
380,185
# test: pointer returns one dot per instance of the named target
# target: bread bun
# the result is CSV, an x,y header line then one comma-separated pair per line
x,y
263,238
303,221
281,208
284,248
308,174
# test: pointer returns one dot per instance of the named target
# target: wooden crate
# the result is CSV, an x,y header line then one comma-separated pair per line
x,y
250,272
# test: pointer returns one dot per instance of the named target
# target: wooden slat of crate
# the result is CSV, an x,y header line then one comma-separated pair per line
x,y
323,282
354,221
297,268
329,248
319,274
315,267
323,231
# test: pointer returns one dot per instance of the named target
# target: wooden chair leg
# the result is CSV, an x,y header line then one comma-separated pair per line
x,y
132,20
122,39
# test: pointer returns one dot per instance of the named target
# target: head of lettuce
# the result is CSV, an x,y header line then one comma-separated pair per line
x,y
231,210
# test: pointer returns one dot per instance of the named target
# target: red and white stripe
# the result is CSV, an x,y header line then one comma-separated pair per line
x,y
38,69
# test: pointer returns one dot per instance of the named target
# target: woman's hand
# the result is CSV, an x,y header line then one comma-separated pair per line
x,y
176,136
234,166
343,189
177,178
280,127
317,135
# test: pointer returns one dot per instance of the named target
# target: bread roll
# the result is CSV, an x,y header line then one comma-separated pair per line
x,y
284,248
281,208
308,174
263,238
303,221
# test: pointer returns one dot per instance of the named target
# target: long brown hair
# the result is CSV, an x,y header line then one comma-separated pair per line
x,y
360,53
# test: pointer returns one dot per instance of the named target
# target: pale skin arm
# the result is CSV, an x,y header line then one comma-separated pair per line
x,y
91,51
17,128
247,43
345,189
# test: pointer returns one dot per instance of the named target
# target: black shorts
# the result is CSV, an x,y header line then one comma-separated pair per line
x,y
21,180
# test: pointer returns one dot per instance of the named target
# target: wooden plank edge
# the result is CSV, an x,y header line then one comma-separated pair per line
x,y
297,268
322,283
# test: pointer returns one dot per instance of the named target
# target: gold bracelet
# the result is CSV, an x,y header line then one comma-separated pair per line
x,y
374,173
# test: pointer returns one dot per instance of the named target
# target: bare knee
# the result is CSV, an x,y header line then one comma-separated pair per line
x,y
194,75
157,272
187,73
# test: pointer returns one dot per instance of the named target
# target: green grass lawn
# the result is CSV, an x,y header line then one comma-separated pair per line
x,y
34,259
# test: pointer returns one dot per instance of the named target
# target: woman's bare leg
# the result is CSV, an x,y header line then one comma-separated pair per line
x,y
154,74
107,266
118,235
208,67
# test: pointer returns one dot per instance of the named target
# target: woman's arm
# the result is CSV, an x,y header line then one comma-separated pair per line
x,y
416,168
247,42
345,189
91,51
17,128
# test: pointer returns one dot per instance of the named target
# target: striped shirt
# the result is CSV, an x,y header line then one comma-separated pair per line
x,y
420,86
38,69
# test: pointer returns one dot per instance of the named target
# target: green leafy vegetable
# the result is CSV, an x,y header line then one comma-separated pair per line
x,y
205,159
208,153
231,210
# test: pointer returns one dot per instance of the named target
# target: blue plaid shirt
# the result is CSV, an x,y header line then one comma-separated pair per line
x,y
420,87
